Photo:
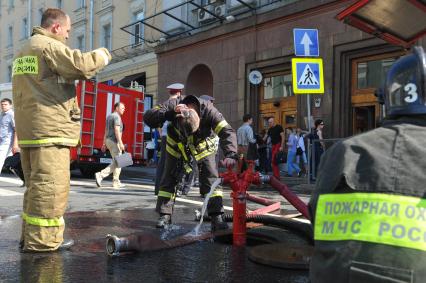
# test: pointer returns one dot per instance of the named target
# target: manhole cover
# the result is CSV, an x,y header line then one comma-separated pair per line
x,y
282,255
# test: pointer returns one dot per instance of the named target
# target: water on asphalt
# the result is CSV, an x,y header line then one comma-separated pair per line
x,y
87,261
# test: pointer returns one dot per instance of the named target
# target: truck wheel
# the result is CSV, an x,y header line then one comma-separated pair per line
x,y
88,172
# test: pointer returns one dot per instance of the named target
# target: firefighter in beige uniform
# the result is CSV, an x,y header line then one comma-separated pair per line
x,y
48,124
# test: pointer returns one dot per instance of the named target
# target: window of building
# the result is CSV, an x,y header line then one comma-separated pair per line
x,y
81,3
11,4
138,32
106,30
9,73
277,86
80,42
59,4
10,36
372,74
24,32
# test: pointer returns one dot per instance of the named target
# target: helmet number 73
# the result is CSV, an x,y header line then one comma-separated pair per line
x,y
411,89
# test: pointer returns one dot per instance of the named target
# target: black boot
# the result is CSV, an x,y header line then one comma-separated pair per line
x,y
164,221
217,223
66,245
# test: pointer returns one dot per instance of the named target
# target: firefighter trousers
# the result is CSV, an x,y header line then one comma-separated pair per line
x,y
172,175
47,175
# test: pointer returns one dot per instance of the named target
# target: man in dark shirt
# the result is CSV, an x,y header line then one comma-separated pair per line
x,y
276,134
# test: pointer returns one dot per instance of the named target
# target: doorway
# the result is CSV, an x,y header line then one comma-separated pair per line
x,y
368,74
277,100
364,119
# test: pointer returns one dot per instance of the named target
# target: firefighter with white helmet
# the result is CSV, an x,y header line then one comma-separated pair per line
x,y
369,206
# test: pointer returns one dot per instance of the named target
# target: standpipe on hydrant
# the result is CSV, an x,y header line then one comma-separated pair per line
x,y
240,184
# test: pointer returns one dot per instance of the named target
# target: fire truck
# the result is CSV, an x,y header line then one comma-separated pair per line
x,y
96,102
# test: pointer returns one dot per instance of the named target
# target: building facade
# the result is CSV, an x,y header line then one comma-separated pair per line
x,y
216,58
95,23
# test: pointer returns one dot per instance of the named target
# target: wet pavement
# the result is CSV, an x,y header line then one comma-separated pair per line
x,y
87,261
129,212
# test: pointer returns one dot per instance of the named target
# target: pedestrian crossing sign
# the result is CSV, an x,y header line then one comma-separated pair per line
x,y
307,75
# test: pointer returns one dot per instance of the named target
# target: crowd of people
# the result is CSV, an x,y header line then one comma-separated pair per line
x,y
275,145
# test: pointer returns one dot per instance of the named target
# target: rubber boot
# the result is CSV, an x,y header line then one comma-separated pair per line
x,y
164,221
217,223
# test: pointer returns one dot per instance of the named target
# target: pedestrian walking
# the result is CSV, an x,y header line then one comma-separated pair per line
x,y
301,159
246,141
48,123
276,135
114,143
318,148
291,153
195,126
8,140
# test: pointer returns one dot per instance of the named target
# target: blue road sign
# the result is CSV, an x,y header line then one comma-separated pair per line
x,y
306,42
307,75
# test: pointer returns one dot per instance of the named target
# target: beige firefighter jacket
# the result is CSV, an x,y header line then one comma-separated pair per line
x,y
45,103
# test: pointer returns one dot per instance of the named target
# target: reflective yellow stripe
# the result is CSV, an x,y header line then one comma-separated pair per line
x,y
25,65
171,141
220,126
182,149
217,194
156,107
44,222
370,217
203,154
172,151
192,149
165,194
48,141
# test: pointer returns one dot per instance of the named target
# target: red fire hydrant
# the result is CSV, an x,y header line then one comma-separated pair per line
x,y
239,184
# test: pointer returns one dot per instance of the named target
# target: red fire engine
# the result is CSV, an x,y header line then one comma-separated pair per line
x,y
97,101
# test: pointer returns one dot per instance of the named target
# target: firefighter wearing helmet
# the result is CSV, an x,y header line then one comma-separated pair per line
x,y
192,134
369,206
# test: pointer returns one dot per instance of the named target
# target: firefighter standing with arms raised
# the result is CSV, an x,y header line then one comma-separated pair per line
x,y
369,206
48,124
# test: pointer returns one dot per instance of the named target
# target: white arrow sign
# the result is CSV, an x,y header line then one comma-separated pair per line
x,y
306,42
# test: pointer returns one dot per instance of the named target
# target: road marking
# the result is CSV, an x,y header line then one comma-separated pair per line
x,y
14,181
9,193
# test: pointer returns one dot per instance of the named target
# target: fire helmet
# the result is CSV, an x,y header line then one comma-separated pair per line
x,y
405,86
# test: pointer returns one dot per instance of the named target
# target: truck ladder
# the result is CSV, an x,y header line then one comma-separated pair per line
x,y
138,137
91,121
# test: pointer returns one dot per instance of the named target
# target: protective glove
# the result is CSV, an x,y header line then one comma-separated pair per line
x,y
229,162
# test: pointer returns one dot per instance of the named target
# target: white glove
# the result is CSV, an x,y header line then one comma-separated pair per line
x,y
229,162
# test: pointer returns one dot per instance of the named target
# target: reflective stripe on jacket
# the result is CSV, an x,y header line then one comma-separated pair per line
x,y
45,103
213,130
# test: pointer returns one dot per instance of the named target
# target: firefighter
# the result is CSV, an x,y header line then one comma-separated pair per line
x,y
48,124
195,126
369,206
175,92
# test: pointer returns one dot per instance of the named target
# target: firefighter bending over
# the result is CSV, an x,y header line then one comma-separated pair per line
x,y
369,206
191,136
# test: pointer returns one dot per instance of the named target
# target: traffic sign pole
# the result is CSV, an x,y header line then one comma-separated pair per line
x,y
308,101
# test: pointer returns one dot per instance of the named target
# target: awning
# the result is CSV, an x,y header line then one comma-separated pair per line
x,y
399,22
127,80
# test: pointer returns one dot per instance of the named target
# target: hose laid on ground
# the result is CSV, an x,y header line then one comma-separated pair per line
x,y
303,229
